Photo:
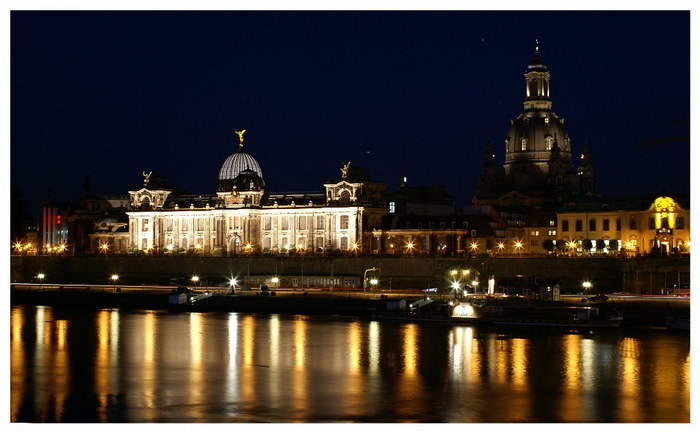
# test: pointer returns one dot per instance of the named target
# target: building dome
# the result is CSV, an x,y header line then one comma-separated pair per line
x,y
236,163
532,136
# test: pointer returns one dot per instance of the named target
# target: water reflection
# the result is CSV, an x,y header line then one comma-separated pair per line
x,y
118,366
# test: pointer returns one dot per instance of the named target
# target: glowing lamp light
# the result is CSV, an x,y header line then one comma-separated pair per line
x,y
233,282
587,285
455,285
453,272
474,246
195,279
169,247
463,310
41,276
114,277
275,280
465,272
374,281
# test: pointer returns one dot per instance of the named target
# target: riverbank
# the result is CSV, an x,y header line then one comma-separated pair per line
x,y
637,313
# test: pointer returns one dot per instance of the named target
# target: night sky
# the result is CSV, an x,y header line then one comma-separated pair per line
x,y
111,94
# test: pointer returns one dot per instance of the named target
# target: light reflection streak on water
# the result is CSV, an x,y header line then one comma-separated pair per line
x,y
61,369
274,346
102,362
149,369
629,399
410,390
588,367
570,402
196,386
300,393
247,374
374,348
232,370
19,370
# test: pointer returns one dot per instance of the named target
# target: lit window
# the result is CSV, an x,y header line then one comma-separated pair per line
x,y
523,144
392,207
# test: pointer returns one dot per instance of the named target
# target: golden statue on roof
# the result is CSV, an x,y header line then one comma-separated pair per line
x,y
240,138
345,169
146,178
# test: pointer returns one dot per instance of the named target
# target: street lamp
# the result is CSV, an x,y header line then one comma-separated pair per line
x,y
40,276
195,280
114,279
364,280
276,281
374,282
587,286
104,247
233,283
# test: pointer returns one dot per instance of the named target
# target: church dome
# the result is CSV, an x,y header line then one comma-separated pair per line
x,y
236,163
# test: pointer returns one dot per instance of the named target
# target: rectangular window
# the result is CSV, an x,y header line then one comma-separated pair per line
x,y
169,224
633,224
652,224
680,223
552,223
320,222
319,244
534,243
284,223
618,224
267,223
579,225
302,223
236,222
184,225
534,233
565,225
200,224
551,232
344,222
592,225
392,207
606,225
144,225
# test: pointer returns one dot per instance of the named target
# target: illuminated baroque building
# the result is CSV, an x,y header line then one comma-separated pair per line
x,y
244,217
538,172
636,226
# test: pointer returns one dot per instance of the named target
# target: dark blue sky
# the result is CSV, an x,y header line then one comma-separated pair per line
x,y
110,94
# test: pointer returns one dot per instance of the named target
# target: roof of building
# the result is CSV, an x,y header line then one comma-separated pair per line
x,y
236,163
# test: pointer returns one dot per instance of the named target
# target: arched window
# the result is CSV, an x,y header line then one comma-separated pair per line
x,y
523,144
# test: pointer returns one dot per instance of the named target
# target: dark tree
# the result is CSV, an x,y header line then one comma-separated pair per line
x,y
587,244
600,245
548,245
614,244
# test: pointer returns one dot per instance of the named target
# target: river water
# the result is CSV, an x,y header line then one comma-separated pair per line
x,y
115,365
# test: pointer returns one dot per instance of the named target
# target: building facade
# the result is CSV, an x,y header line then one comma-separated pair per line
x,y
242,217
632,226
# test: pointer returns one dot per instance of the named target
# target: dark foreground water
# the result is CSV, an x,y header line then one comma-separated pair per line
x,y
111,365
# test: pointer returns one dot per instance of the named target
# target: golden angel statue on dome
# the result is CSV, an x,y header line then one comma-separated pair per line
x,y
345,169
146,178
240,138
